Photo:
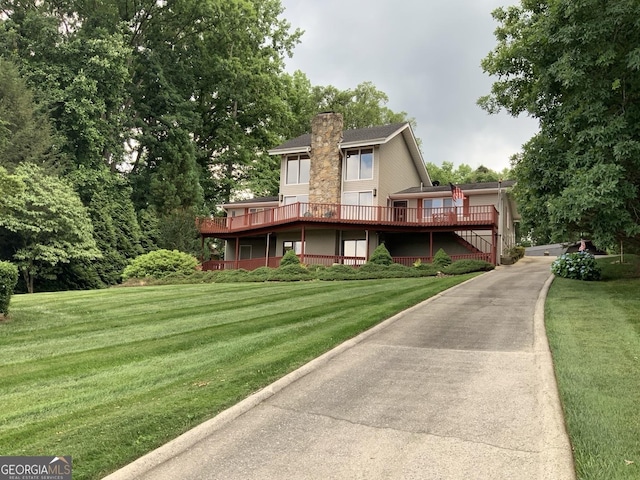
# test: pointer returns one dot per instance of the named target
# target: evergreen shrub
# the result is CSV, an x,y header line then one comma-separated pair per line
x,y
441,259
381,256
159,264
289,258
467,266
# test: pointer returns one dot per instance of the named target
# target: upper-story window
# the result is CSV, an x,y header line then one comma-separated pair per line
x,y
359,164
298,169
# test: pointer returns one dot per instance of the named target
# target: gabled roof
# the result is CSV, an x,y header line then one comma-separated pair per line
x,y
363,137
355,137
464,187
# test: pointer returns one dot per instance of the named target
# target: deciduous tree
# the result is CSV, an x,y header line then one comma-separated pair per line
x,y
45,224
575,66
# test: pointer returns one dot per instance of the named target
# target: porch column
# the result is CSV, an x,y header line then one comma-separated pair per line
x,y
266,253
366,252
494,247
302,246
237,253
201,248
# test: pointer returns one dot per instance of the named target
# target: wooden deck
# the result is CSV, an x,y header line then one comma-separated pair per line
x,y
337,214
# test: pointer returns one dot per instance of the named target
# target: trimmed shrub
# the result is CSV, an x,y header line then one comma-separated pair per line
x,y
381,256
290,273
467,266
578,266
159,264
8,281
426,269
289,258
516,252
441,259
338,271
261,274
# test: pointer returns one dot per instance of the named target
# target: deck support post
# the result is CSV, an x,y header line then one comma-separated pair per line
x,y
366,252
237,253
302,246
266,253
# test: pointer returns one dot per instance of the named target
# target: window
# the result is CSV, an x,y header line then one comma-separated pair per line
x,y
357,198
354,248
440,205
298,169
245,252
289,199
352,203
359,164
295,245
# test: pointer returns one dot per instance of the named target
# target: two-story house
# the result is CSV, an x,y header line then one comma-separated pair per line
x,y
343,193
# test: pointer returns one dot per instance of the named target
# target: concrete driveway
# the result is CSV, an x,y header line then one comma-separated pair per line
x,y
458,387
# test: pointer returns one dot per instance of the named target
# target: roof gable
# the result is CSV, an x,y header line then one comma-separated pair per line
x,y
362,137
359,136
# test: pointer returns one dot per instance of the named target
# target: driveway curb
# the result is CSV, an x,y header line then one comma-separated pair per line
x,y
556,454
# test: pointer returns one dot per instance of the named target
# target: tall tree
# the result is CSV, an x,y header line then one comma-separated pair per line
x,y
25,133
575,66
46,223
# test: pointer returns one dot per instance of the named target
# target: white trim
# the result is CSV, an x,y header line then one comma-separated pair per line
x,y
288,151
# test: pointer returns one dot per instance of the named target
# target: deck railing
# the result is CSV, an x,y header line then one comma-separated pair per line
x,y
351,214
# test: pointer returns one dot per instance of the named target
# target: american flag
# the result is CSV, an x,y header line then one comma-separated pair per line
x,y
456,192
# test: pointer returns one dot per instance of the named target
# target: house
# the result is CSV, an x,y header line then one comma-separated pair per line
x,y
343,193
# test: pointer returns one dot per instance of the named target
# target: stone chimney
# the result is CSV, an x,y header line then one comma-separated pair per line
x,y
325,175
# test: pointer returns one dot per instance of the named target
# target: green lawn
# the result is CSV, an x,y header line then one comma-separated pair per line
x,y
108,375
594,334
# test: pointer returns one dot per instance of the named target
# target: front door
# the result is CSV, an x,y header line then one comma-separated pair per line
x,y
400,211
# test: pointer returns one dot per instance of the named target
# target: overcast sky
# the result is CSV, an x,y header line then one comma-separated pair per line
x,y
425,55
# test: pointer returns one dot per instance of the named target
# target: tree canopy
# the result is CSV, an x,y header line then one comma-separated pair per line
x,y
153,112
574,66
463,173
45,223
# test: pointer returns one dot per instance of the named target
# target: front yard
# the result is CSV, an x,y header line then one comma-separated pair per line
x,y
106,376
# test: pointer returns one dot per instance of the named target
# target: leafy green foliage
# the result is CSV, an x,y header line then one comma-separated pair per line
x,y
556,61
517,252
461,267
381,256
463,173
159,264
578,266
289,258
441,259
45,225
8,280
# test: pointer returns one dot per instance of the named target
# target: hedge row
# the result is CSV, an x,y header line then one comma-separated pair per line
x,y
297,272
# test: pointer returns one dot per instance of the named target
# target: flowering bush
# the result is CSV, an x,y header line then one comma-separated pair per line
x,y
579,266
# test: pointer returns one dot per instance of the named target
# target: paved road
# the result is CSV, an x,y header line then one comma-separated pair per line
x,y
460,387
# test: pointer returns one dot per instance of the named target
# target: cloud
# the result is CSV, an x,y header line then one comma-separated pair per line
x,y
425,56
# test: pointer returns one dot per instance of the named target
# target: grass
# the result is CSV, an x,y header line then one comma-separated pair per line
x,y
594,334
106,376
